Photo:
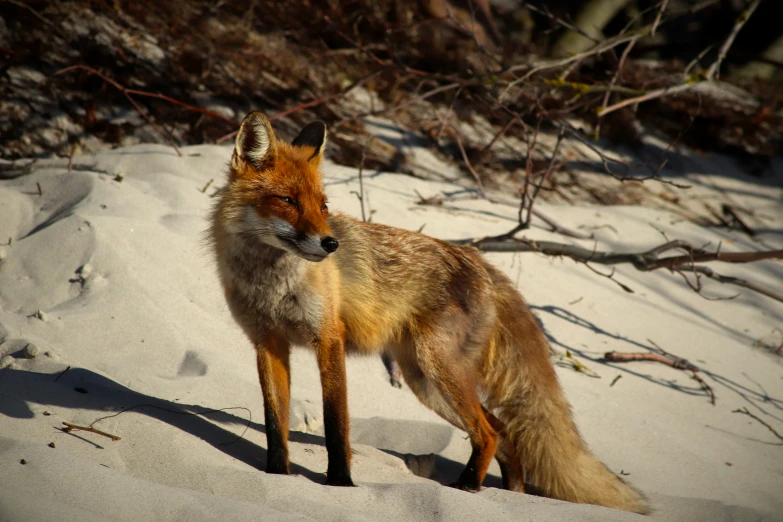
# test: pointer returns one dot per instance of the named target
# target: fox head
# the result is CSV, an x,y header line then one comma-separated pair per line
x,y
275,189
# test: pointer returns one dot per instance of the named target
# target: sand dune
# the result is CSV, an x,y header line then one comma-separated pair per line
x,y
107,273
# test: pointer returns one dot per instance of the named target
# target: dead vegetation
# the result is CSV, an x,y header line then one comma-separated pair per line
x,y
461,75
513,94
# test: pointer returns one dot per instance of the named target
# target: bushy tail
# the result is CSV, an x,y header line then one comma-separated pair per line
x,y
554,457
525,394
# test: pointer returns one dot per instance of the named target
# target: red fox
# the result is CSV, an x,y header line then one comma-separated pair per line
x,y
467,344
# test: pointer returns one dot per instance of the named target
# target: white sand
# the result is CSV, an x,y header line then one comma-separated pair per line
x,y
145,324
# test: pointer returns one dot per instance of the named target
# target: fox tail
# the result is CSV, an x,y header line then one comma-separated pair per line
x,y
526,396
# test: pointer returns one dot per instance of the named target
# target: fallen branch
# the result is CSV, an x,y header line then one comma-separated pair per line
x,y
745,411
677,363
707,271
706,387
70,427
667,359
643,261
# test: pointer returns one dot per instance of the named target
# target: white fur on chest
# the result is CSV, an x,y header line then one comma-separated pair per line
x,y
270,286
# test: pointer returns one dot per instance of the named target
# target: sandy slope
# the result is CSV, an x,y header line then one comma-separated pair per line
x,y
131,303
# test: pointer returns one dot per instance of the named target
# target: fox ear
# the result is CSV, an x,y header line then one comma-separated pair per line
x,y
313,135
255,142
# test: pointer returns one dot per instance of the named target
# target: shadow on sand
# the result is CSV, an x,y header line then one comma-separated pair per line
x,y
755,398
79,388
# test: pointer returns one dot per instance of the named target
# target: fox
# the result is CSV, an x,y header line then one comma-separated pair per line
x,y
295,273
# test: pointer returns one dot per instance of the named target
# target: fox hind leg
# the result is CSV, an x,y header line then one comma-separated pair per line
x,y
510,464
444,384
393,368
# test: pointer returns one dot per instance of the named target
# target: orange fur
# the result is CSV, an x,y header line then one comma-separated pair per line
x,y
466,342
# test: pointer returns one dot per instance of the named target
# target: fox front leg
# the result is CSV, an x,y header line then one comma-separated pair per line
x,y
330,353
274,374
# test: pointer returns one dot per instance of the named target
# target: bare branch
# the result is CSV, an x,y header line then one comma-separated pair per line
x,y
658,17
745,411
468,164
617,73
657,93
600,48
739,23
70,427
360,194
680,364
667,359
707,271
643,261
709,75
526,223
562,22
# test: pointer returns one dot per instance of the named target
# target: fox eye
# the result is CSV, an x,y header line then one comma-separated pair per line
x,y
286,199
324,208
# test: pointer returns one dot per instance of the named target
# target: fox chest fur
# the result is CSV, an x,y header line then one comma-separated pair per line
x,y
270,293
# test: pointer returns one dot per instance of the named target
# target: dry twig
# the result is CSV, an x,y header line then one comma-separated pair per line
x,y
745,411
473,172
679,364
360,194
70,427
667,359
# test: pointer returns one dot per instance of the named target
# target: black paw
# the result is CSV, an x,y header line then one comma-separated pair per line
x,y
277,468
465,487
342,480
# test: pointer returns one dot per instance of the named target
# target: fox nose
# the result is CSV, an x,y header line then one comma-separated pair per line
x,y
329,244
